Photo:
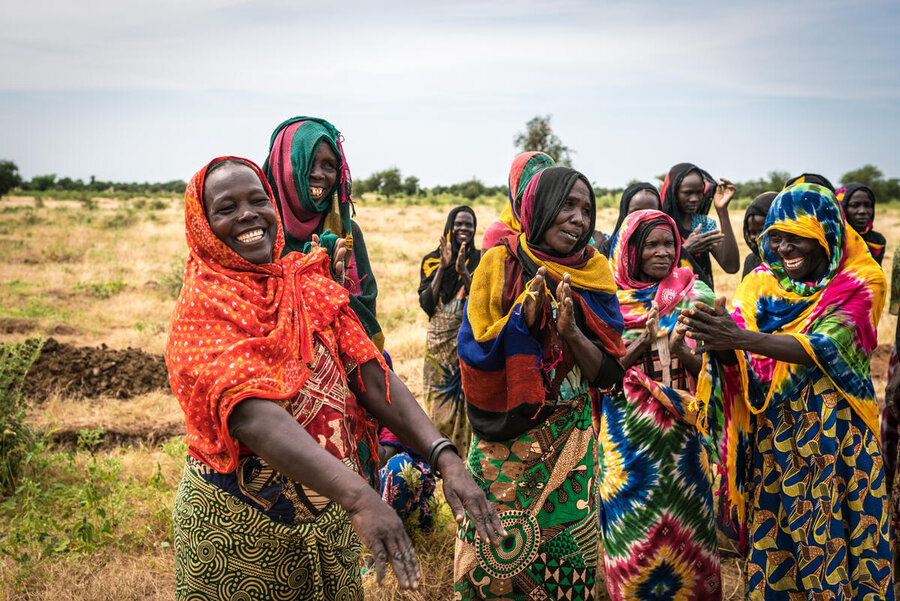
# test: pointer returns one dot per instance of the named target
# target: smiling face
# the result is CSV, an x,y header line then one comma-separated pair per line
x,y
643,199
860,210
690,193
573,221
804,259
324,171
464,227
755,225
240,212
658,255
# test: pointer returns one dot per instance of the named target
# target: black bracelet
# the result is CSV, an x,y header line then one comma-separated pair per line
x,y
437,447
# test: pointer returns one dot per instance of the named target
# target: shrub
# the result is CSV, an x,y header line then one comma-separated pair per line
x,y
17,437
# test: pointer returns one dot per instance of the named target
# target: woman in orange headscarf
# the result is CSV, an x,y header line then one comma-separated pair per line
x,y
278,382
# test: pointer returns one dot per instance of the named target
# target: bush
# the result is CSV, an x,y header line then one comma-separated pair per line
x,y
17,437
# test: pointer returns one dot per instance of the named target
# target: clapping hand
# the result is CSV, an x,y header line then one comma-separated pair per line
x,y
697,242
461,267
338,259
565,318
534,298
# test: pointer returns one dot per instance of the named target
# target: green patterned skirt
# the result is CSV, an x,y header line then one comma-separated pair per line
x,y
543,486
227,550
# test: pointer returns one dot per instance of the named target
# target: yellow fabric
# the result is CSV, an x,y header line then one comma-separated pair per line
x,y
596,275
509,220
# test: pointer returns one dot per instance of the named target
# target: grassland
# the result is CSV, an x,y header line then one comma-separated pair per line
x,y
92,521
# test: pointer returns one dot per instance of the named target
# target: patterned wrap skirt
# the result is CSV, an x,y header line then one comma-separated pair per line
x,y
227,550
543,485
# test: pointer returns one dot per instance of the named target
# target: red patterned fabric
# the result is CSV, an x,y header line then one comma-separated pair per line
x,y
241,330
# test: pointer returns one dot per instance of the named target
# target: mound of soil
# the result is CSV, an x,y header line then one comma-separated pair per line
x,y
94,371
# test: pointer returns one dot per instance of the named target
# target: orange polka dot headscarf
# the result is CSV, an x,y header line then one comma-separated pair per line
x,y
241,330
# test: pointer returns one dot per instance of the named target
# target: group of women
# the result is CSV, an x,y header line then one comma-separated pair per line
x,y
593,384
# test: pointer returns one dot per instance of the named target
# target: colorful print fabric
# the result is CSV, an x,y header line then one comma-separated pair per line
x,y
524,167
543,487
656,502
226,549
407,485
800,447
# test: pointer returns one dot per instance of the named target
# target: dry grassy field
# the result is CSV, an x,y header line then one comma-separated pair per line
x,y
90,520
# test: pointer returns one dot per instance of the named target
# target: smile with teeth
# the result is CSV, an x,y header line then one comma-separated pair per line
x,y
316,192
571,235
793,263
251,236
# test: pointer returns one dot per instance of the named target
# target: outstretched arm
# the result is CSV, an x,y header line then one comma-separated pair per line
x,y
282,442
405,418
715,330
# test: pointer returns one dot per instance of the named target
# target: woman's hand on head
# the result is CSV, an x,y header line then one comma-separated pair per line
x,y
446,251
712,327
565,317
382,531
461,267
462,494
534,298
724,193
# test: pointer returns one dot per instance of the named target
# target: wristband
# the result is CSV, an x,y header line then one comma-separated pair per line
x,y
437,447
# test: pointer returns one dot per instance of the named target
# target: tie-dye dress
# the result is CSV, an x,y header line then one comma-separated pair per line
x,y
805,472
656,502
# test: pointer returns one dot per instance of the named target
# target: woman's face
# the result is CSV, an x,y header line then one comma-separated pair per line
x,y
690,193
860,210
643,199
658,255
573,221
464,227
324,171
803,258
755,225
240,213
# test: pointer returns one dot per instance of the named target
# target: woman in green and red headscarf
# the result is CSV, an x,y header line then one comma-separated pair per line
x,y
524,167
309,175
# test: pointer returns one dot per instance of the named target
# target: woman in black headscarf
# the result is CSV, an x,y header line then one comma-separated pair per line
x,y
688,192
637,196
858,202
446,276
754,221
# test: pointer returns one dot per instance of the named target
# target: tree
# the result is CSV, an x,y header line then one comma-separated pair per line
x,y
390,182
411,185
538,136
9,177
42,183
871,176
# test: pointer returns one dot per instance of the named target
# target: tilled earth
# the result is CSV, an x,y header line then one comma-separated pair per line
x,y
87,372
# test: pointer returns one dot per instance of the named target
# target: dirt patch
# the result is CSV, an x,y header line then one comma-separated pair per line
x,y
880,359
114,437
94,371
14,325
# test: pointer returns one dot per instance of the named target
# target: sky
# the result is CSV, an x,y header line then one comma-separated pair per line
x,y
151,91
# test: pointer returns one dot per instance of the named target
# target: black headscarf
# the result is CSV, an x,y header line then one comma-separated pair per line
x,y
874,240
758,208
624,204
700,263
553,187
451,281
810,178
